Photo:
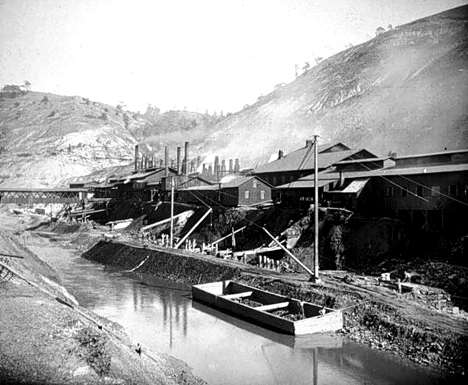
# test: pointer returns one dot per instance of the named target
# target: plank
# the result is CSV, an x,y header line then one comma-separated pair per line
x,y
238,295
273,306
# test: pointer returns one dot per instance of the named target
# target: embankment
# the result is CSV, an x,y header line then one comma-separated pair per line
x,y
377,316
47,338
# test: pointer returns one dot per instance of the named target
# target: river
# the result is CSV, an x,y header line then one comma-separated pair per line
x,y
221,349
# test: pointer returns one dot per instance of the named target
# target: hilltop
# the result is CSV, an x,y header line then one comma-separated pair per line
x,y
403,91
46,139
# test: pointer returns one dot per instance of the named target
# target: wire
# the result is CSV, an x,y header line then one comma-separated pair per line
x,y
437,192
418,184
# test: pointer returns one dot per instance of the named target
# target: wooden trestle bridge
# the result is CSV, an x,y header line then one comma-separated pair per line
x,y
42,195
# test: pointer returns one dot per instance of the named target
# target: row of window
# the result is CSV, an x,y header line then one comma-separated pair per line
x,y
392,191
247,194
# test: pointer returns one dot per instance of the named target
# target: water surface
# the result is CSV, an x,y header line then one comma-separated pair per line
x,y
221,349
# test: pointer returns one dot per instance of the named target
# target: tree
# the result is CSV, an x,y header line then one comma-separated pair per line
x,y
27,85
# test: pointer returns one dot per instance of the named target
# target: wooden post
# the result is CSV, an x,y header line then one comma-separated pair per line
x,y
316,211
172,212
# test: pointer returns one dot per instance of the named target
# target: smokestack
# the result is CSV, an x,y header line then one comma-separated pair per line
x,y
236,165
223,168
192,165
230,166
145,162
204,169
136,157
280,154
166,161
198,161
186,157
161,163
210,171
216,167
173,163
179,150
142,161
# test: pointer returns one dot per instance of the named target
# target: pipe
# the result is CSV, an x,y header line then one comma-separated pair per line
x,y
193,228
288,252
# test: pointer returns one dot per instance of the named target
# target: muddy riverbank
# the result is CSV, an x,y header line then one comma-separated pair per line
x,y
376,316
47,338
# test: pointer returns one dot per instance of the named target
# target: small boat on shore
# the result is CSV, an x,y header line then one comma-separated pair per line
x,y
272,310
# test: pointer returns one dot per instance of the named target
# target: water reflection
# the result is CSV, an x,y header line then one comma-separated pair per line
x,y
220,348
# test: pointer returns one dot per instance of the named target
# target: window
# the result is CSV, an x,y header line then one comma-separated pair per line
x,y
262,195
389,191
453,190
254,184
274,181
435,191
419,191
404,192
283,179
246,194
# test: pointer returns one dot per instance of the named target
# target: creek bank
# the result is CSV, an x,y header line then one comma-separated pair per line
x,y
376,316
45,337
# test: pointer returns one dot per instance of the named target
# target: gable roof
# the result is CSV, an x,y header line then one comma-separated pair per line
x,y
303,159
237,181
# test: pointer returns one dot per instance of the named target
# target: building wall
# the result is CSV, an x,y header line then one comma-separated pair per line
x,y
442,207
258,192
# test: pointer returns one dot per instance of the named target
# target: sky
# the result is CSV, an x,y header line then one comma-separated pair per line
x,y
204,55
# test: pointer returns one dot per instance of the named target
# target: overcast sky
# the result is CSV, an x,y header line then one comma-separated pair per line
x,y
201,55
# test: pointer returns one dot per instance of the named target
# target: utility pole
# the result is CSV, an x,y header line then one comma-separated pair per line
x,y
171,240
316,212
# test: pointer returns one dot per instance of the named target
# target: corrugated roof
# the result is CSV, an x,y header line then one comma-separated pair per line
x,y
303,159
306,183
355,186
431,154
235,182
395,171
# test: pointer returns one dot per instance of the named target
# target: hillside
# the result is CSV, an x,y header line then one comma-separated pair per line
x,y
47,140
404,91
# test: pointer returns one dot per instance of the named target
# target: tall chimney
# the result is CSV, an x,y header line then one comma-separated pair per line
x,y
186,158
198,161
210,171
223,167
166,161
142,161
236,165
136,157
216,167
145,162
192,165
280,154
161,163
230,166
179,150
204,169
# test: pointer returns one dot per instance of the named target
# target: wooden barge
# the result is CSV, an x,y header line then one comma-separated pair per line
x,y
275,311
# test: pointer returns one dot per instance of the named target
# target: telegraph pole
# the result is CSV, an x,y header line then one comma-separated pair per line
x,y
171,240
316,212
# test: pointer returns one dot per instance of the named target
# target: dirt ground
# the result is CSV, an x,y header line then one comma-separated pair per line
x,y
45,337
